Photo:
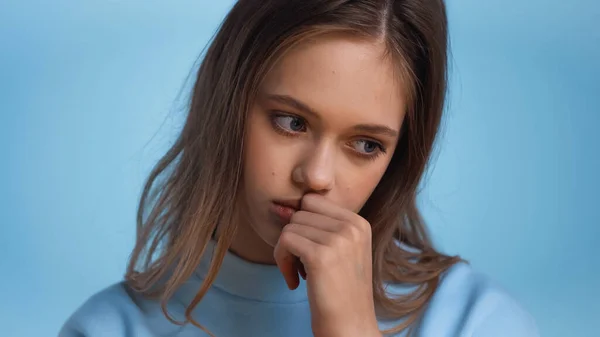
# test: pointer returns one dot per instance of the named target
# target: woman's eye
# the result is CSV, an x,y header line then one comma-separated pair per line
x,y
290,123
367,147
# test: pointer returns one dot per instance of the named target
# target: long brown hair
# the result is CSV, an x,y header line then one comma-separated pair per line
x,y
194,187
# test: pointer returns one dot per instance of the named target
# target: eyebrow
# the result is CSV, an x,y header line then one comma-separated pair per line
x,y
298,105
376,129
294,103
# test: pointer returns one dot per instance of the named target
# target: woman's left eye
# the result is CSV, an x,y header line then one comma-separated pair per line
x,y
367,147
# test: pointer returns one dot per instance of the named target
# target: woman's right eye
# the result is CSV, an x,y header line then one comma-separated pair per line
x,y
289,124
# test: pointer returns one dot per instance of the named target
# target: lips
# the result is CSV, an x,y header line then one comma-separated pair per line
x,y
291,203
285,209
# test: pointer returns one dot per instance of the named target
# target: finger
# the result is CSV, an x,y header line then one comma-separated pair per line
x,y
317,220
289,248
287,264
317,203
314,234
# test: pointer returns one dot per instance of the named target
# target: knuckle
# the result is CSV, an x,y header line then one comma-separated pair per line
x,y
355,233
361,222
286,236
358,231
337,241
313,256
366,226
289,227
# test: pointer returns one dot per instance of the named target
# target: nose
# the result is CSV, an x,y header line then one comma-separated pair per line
x,y
316,173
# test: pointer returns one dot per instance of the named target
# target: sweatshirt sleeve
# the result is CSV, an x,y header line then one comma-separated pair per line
x,y
507,318
110,313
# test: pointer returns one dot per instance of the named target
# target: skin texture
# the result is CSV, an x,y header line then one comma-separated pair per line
x,y
320,136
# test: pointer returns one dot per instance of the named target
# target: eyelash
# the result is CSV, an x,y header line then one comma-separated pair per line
x,y
281,130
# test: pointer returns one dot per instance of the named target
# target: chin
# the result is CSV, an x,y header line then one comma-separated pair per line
x,y
266,227
270,233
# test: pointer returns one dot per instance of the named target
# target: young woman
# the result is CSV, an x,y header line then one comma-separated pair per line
x,y
287,205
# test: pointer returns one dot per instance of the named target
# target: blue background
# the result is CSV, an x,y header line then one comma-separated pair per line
x,y
91,93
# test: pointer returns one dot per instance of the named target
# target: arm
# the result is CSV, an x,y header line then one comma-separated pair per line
x,y
70,331
507,319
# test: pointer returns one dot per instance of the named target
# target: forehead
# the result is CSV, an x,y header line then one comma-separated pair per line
x,y
342,78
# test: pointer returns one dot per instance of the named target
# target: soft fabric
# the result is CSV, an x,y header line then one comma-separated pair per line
x,y
249,299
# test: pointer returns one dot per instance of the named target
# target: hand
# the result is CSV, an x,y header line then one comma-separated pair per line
x,y
331,248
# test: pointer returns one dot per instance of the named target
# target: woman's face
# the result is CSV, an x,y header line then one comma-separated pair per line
x,y
326,120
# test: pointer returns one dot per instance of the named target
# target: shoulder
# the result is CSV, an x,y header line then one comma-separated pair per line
x,y
110,312
484,308
467,303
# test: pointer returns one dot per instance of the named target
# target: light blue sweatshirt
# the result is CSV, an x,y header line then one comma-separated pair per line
x,y
253,300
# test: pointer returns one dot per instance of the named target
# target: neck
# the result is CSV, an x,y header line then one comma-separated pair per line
x,y
249,246
244,279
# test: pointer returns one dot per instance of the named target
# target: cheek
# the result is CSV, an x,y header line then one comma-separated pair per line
x,y
266,161
360,184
